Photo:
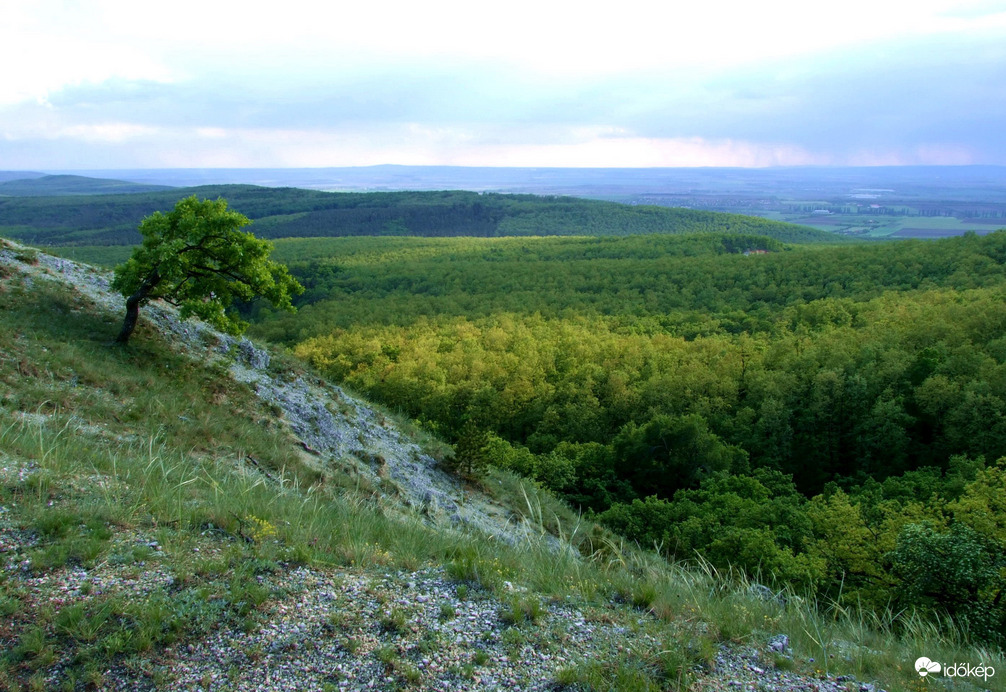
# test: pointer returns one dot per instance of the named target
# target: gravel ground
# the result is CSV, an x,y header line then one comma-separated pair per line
x,y
342,630
363,631
747,668
340,428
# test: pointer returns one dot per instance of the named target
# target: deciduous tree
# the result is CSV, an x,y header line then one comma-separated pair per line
x,y
197,258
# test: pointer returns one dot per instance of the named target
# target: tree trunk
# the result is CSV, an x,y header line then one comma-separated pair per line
x,y
132,315
133,303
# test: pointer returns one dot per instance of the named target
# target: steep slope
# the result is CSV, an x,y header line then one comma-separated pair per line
x,y
195,513
95,546
335,429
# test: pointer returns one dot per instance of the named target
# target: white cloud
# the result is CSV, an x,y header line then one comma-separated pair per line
x,y
413,144
115,133
211,132
558,36
715,83
40,122
55,43
43,51
120,145
639,152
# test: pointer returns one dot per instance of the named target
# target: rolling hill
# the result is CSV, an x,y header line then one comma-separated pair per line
x,y
111,219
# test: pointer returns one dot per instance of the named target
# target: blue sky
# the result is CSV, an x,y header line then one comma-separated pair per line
x,y
112,84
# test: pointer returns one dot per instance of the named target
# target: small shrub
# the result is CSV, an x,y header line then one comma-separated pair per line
x,y
782,662
393,621
409,672
464,567
959,572
521,610
56,523
512,639
622,675
82,624
27,256
643,595
428,643
387,655
471,455
9,605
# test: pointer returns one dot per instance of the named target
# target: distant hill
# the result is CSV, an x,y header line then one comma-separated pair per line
x,y
19,175
46,185
104,219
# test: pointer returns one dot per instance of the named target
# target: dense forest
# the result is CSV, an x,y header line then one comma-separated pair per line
x,y
827,417
290,212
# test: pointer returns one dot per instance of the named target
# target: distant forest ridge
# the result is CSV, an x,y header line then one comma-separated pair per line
x,y
52,185
68,220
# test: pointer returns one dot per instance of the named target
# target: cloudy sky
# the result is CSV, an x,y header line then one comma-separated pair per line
x,y
122,84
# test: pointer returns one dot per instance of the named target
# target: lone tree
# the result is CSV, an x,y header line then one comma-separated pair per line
x,y
197,258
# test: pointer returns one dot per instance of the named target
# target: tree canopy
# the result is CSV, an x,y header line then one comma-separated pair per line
x,y
197,258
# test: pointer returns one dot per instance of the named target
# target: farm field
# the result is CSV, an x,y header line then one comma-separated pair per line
x,y
862,225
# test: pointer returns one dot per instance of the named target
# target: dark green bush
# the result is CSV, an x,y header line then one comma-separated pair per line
x,y
959,572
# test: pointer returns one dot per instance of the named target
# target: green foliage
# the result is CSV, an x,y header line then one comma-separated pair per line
x,y
848,546
73,185
893,380
521,610
673,452
143,444
393,621
197,258
555,470
958,572
757,523
647,522
471,453
981,505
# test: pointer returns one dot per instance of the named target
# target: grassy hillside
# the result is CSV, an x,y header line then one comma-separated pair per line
x,y
288,212
165,526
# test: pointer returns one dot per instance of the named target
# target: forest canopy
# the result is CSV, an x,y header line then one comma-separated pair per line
x,y
824,416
